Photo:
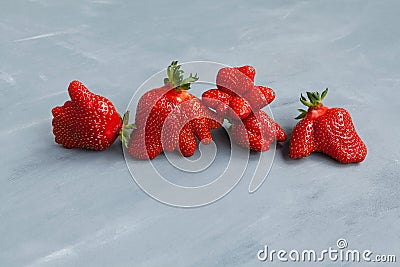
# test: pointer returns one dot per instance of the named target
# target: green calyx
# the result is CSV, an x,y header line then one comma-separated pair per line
x,y
175,77
124,133
314,100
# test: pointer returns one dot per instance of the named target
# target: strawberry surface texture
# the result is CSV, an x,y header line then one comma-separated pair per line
x,y
327,130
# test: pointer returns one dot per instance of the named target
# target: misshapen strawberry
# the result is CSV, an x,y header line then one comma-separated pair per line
x,y
169,118
236,90
327,130
238,99
257,131
87,120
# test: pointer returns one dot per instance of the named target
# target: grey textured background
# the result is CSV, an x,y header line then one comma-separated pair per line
x,y
79,208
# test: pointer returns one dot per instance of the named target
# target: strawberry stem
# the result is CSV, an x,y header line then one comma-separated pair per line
x,y
314,100
175,77
124,133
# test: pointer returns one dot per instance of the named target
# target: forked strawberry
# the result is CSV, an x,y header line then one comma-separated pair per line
x,y
257,131
233,81
240,101
88,120
236,89
327,130
169,118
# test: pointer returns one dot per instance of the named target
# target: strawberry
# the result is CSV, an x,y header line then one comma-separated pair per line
x,y
236,89
87,120
214,98
260,96
257,131
169,118
241,101
239,108
247,70
233,81
327,130
221,101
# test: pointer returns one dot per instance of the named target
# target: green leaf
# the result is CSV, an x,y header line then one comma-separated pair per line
x,y
190,79
126,134
130,126
301,116
324,93
183,87
125,119
305,102
315,100
310,96
313,97
175,77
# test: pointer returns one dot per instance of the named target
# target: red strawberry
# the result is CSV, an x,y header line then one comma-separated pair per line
x,y
233,81
247,70
260,96
214,97
236,89
302,141
240,101
327,130
239,108
87,120
170,117
257,131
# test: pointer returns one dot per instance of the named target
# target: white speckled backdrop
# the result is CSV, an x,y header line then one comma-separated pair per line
x,y
79,208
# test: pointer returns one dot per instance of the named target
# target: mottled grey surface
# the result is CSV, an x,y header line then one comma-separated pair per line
x,y
79,208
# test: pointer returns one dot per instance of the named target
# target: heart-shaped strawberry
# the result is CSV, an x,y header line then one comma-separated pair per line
x,y
327,130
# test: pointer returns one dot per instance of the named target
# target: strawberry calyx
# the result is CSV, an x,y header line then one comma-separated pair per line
x,y
314,104
175,77
124,133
